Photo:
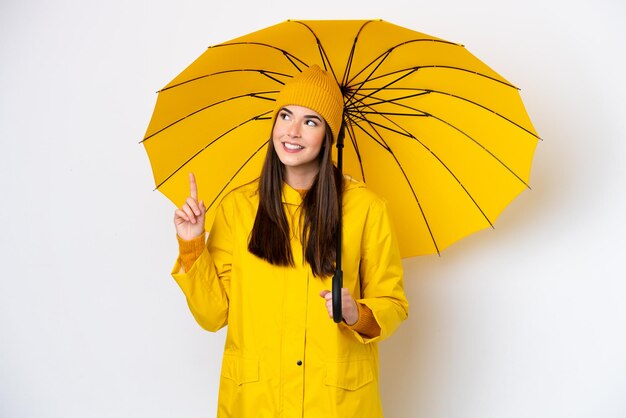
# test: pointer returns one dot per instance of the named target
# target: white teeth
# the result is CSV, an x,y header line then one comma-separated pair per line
x,y
293,146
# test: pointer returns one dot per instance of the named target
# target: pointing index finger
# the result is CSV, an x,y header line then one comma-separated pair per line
x,y
193,188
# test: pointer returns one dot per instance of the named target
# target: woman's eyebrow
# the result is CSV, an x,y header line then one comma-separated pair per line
x,y
284,109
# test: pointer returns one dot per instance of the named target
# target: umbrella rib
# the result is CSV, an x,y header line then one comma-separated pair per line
x,y
290,57
267,74
323,56
252,119
263,145
392,101
417,201
354,119
408,134
355,145
371,112
346,73
487,109
238,70
377,89
353,116
368,78
254,94
384,55
491,154
474,140
381,58
414,115
412,70
428,91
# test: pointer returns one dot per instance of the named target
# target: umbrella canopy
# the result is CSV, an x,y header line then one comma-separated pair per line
x,y
428,126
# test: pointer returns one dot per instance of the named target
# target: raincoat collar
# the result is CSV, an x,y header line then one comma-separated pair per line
x,y
293,197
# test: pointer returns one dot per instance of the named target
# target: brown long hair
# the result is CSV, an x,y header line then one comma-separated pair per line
x,y
270,236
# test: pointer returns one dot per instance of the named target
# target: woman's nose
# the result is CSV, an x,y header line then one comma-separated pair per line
x,y
293,130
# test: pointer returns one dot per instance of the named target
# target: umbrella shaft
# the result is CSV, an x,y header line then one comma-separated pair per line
x,y
338,277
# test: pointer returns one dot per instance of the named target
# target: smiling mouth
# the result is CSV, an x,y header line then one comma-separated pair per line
x,y
292,147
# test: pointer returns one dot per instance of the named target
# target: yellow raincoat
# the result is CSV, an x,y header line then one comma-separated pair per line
x,y
284,356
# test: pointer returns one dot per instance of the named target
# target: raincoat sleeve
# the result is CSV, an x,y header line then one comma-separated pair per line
x,y
381,272
206,285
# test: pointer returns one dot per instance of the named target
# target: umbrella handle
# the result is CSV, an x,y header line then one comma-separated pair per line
x,y
337,285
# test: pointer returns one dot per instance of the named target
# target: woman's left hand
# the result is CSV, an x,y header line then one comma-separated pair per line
x,y
349,310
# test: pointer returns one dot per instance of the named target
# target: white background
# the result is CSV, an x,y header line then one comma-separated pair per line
x,y
527,320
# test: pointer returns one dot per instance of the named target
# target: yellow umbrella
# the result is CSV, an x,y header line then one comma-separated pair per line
x,y
429,127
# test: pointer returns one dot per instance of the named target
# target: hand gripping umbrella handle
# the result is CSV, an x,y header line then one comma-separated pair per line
x,y
337,285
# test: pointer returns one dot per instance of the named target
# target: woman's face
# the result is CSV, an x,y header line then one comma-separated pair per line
x,y
298,136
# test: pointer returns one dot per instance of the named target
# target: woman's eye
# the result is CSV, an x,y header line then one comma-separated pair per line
x,y
284,115
311,122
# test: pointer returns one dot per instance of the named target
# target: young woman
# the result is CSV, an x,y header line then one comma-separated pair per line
x,y
267,266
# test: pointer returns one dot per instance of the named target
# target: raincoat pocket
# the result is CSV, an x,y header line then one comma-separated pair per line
x,y
240,369
349,375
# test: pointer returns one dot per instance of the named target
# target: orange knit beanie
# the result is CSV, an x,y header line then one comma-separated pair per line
x,y
316,89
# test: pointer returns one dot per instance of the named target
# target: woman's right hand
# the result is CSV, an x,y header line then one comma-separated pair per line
x,y
189,218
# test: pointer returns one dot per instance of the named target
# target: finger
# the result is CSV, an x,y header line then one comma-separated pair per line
x,y
347,298
329,308
189,212
193,205
180,214
202,208
323,293
193,188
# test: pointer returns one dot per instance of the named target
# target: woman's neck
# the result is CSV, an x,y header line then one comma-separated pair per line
x,y
300,179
